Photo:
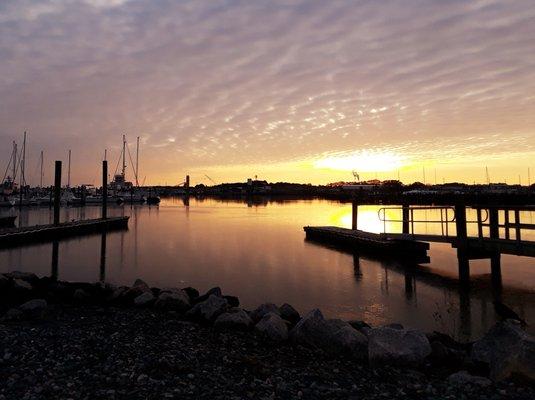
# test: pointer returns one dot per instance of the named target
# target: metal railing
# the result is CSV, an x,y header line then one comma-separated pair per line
x,y
447,216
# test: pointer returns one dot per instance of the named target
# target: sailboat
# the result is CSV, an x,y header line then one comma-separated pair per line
x,y
120,188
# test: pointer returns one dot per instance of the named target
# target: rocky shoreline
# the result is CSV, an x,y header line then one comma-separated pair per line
x,y
82,340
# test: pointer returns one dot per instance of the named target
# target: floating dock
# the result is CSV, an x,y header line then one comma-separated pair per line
x,y
377,243
46,233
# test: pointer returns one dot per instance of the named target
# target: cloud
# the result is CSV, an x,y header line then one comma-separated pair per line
x,y
238,82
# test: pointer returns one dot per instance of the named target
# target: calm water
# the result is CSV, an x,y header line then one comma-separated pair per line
x,y
258,252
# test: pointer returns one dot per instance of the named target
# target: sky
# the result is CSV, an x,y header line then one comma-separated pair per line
x,y
286,90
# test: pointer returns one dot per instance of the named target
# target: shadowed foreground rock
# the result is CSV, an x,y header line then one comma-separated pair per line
x,y
96,341
108,353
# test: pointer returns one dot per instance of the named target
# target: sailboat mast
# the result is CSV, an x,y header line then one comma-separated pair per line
x,y
22,166
14,161
137,162
41,177
124,154
69,171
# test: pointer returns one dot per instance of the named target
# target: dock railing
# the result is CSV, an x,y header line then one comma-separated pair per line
x,y
487,216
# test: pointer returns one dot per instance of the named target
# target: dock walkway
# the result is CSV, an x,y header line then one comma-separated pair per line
x,y
44,233
369,242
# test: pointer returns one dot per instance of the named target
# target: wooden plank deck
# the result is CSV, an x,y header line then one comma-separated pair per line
x,y
45,233
484,244
378,243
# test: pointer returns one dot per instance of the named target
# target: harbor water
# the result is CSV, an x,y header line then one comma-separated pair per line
x,y
257,251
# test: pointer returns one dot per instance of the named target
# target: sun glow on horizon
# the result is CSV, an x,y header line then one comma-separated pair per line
x,y
364,161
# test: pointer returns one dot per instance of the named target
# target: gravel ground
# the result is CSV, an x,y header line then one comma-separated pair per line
x,y
115,353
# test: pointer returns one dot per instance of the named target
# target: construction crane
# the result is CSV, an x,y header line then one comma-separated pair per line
x,y
211,180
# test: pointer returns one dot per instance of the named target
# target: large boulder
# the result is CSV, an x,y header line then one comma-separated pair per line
x,y
176,300
263,309
400,347
144,300
507,350
80,295
21,285
138,288
273,327
290,314
34,308
234,319
331,335
209,309
25,276
191,292
215,291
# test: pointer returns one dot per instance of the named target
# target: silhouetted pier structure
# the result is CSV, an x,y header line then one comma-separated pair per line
x,y
56,230
503,237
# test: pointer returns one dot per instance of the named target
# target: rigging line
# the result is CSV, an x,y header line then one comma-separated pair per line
x,y
131,162
8,165
118,161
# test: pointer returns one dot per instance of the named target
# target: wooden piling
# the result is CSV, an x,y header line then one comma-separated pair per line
x,y
55,258
494,230
354,215
405,218
104,189
462,243
57,191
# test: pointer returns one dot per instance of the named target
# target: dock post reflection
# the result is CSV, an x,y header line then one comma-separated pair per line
x,y
465,312
102,276
55,258
496,275
356,267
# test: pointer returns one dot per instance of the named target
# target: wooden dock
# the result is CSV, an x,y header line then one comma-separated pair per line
x,y
45,233
378,243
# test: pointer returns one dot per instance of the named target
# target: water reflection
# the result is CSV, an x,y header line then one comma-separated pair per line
x,y
259,254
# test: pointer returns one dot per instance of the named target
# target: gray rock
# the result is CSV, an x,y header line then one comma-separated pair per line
x,y
273,326
118,293
136,290
288,313
33,305
399,347
262,310
209,309
216,291
359,325
333,336
176,300
13,314
19,284
507,350
34,308
463,378
25,276
80,295
144,300
235,319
